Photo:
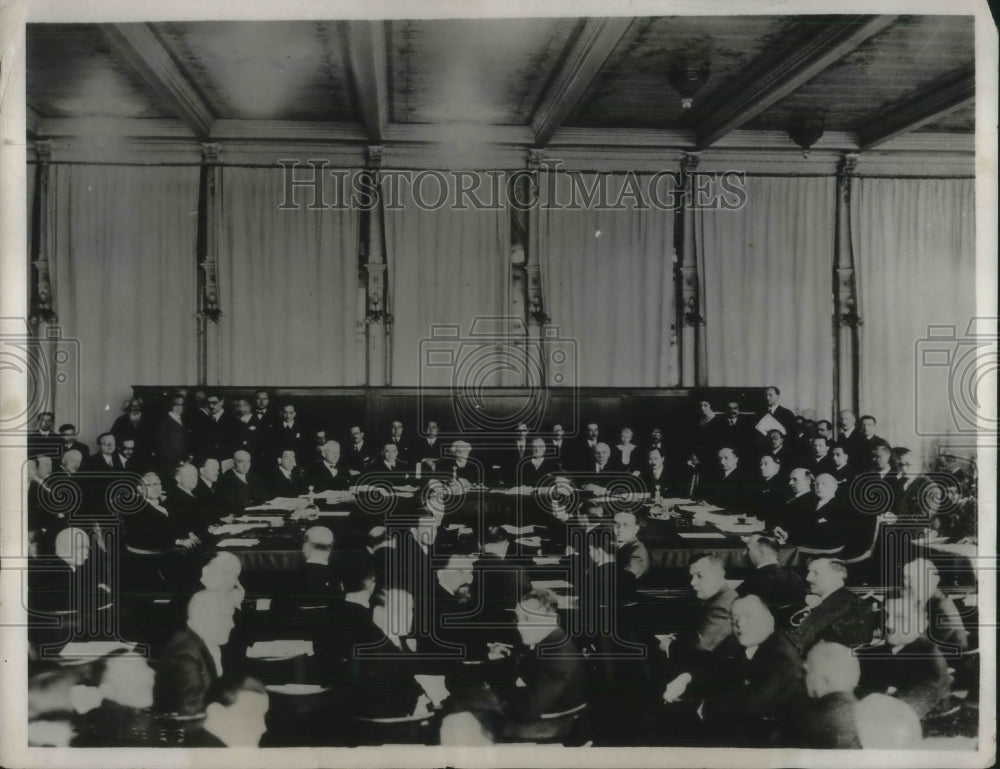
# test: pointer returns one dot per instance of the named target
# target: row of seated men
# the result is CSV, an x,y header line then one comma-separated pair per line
x,y
777,660
204,425
828,511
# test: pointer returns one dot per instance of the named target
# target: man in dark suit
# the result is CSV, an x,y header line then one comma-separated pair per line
x,y
249,434
945,627
173,438
289,433
540,464
239,488
691,649
631,555
510,456
869,436
398,439
919,498
388,661
287,479
190,665
106,460
498,585
851,438
842,471
187,511
654,477
389,462
453,597
263,414
780,587
461,465
782,415
765,686
820,461
579,454
215,433
828,526
428,449
329,474
151,530
44,440
207,489
359,454
70,443
549,667
736,431
560,447
778,447
908,665
836,615
348,617
772,490
828,719
731,487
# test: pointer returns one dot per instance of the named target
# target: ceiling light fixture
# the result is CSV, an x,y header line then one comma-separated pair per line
x,y
687,79
806,131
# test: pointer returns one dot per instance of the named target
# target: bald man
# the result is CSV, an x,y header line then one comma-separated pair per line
x,y
191,662
828,719
239,487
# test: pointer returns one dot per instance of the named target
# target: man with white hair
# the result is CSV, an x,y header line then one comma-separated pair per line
x,y
330,473
189,514
827,720
919,498
945,628
239,487
460,465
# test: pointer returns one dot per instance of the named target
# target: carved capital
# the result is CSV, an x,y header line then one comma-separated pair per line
x,y
43,148
692,316
536,159
848,164
210,153
689,164
374,155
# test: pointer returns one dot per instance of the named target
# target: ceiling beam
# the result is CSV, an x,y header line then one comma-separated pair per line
x,y
759,90
367,54
140,47
941,98
593,46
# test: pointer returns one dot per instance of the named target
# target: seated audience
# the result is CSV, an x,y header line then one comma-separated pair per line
x,y
190,665
780,587
828,719
908,665
833,612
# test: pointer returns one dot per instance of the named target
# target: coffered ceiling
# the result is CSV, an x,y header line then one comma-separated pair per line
x,y
520,81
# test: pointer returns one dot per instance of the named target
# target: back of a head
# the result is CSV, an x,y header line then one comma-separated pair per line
x,y
319,537
831,667
885,722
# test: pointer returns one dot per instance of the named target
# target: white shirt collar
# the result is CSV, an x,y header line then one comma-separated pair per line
x,y
175,417
241,476
750,651
317,559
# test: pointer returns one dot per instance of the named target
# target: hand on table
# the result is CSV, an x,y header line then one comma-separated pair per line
x,y
498,651
676,688
665,641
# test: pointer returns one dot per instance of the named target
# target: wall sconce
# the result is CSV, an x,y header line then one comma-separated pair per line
x,y
806,131
687,79
536,313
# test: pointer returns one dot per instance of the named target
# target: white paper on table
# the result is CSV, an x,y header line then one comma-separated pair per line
x,y
542,560
702,535
735,527
565,601
550,584
281,649
331,496
675,501
703,508
332,513
248,542
296,688
263,604
529,541
512,529
768,423
234,528
433,686
93,649
407,488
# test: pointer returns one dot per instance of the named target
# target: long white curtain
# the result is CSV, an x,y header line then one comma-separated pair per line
x,y
608,279
123,259
288,285
914,251
768,290
447,267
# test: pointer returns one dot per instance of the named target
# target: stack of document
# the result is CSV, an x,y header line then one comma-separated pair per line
x,y
234,528
249,542
279,650
93,649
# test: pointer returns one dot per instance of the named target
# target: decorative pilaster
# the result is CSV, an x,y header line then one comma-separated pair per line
x,y
377,318
536,317
846,320
41,308
209,311
692,322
